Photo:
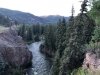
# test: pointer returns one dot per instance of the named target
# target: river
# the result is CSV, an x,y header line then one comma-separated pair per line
x,y
40,63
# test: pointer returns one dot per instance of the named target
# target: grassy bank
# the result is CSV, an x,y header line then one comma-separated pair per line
x,y
82,71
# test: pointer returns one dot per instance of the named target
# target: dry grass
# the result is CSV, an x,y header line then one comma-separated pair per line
x,y
2,29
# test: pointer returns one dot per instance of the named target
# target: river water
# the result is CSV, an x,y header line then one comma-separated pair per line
x,y
40,63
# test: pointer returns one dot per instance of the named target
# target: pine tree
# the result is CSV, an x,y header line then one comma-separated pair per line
x,y
29,34
60,45
22,31
50,38
61,36
72,16
84,6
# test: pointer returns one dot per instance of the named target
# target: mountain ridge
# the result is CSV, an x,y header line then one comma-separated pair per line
x,y
28,18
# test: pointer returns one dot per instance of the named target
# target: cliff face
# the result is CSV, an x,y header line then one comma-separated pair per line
x,y
13,50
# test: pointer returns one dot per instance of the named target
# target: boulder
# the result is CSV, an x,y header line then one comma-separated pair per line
x,y
13,49
91,62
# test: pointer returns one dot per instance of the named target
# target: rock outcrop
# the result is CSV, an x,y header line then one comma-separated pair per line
x,y
13,49
91,62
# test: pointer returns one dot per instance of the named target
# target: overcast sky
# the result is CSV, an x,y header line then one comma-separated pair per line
x,y
43,7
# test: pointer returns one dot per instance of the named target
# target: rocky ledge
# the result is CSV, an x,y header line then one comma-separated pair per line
x,y
13,49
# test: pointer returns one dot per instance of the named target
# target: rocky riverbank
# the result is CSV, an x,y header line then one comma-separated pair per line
x,y
45,50
13,51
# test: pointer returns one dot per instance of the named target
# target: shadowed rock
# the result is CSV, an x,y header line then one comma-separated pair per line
x,y
13,49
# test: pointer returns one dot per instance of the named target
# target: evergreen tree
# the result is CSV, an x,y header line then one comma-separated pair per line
x,y
72,16
50,38
60,45
61,36
83,6
22,31
29,34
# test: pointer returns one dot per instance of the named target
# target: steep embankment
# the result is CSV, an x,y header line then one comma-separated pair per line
x,y
13,50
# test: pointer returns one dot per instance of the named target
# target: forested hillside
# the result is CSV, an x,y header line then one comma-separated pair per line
x,y
27,18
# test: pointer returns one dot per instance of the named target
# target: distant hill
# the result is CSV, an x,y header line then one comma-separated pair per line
x,y
54,18
21,17
27,18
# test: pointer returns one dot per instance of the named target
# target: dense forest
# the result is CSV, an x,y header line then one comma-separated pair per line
x,y
68,41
